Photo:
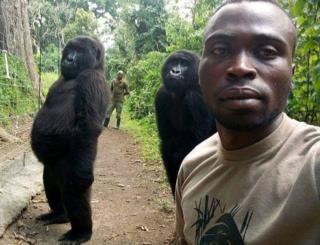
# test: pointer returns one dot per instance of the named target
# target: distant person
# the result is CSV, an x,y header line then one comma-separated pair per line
x,y
256,181
119,88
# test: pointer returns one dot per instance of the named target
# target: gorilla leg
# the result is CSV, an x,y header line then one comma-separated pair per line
x,y
52,179
79,213
78,178
172,159
172,166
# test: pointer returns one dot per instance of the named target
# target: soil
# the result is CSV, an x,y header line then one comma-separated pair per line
x,y
131,202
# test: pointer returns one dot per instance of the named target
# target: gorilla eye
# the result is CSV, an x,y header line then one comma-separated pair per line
x,y
268,52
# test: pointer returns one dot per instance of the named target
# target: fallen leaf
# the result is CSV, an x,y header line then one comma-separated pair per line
x,y
142,227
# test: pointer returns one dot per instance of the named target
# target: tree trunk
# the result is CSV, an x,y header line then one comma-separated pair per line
x,y
15,35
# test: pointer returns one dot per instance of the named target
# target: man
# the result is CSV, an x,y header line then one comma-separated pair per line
x,y
119,89
257,181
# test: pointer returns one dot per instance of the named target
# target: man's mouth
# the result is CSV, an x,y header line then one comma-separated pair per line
x,y
240,98
239,93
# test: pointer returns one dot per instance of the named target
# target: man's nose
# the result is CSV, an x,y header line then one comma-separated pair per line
x,y
241,68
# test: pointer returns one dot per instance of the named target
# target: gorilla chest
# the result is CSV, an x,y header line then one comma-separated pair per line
x,y
62,97
179,115
58,112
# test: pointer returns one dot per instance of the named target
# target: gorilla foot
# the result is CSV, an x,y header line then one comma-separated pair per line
x,y
75,238
53,218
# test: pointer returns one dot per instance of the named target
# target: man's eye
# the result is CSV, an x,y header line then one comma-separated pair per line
x,y
268,53
219,51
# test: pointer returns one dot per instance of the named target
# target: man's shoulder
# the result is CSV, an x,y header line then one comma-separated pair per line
x,y
124,81
305,144
309,134
200,153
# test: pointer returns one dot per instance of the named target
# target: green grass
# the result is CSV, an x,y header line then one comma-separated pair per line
x,y
47,79
146,134
17,96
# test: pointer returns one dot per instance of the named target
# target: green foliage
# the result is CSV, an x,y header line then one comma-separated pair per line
x,y
116,60
201,12
55,22
145,132
50,59
181,35
141,27
47,19
17,96
47,79
84,23
305,102
144,81
148,21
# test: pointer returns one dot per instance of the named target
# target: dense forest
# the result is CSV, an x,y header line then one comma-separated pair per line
x,y
138,35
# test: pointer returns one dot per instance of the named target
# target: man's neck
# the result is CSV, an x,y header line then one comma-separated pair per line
x,y
234,139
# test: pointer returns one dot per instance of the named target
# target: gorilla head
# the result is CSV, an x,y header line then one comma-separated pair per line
x,y
81,53
180,71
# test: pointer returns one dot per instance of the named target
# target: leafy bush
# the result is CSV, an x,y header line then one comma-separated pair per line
x,y
47,79
181,35
50,59
305,101
17,94
144,130
144,81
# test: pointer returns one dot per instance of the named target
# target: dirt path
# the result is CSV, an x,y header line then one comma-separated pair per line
x,y
130,203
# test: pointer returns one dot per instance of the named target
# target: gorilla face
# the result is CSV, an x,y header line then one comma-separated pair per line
x,y
80,53
180,71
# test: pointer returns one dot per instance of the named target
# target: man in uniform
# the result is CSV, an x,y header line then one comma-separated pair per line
x,y
119,89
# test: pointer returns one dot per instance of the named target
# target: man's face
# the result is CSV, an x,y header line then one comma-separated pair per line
x,y
120,76
246,65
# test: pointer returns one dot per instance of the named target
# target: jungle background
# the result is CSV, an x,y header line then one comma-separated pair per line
x,y
138,36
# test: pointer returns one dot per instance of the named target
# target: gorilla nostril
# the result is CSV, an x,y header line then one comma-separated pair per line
x,y
175,71
69,58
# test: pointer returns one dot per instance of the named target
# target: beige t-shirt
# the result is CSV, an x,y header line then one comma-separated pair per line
x,y
263,194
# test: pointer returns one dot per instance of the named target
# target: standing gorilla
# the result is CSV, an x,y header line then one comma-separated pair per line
x,y
65,132
183,119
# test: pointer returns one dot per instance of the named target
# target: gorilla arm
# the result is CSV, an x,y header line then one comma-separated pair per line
x,y
91,100
90,105
201,120
163,106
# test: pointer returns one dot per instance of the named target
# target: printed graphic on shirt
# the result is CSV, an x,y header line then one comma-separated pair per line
x,y
225,230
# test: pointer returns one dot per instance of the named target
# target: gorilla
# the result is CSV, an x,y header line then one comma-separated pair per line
x,y
183,119
64,136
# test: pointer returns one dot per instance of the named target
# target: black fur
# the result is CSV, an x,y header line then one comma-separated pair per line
x,y
183,119
65,132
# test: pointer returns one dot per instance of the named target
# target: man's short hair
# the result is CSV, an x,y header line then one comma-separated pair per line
x,y
120,72
267,1
274,2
